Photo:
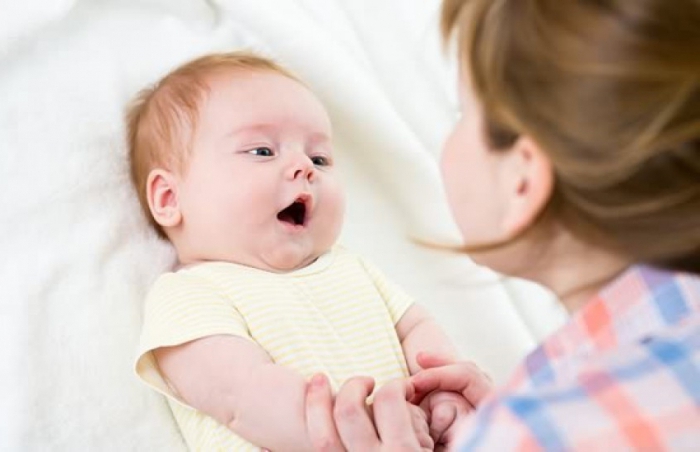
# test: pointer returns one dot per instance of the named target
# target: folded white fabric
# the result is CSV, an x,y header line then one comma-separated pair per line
x,y
78,256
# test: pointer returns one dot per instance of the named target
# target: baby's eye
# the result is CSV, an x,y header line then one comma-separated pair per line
x,y
320,160
262,152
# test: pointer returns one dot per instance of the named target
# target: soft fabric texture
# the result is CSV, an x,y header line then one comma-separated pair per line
x,y
337,316
78,256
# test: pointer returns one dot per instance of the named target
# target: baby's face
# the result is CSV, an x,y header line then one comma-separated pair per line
x,y
260,188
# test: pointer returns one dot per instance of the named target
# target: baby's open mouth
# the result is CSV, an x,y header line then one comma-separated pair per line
x,y
294,214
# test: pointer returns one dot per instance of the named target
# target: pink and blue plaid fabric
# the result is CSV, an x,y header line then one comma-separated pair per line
x,y
623,374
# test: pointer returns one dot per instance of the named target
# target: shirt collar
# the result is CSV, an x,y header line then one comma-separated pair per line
x,y
641,301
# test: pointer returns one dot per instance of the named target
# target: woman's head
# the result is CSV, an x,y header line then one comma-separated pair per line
x,y
605,95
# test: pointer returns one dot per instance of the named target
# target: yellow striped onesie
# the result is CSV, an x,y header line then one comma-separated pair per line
x,y
335,316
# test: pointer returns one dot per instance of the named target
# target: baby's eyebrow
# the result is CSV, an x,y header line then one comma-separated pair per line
x,y
261,128
314,137
319,138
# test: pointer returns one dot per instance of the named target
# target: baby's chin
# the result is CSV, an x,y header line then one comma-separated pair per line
x,y
275,262
285,262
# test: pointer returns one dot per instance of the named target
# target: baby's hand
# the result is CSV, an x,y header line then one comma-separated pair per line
x,y
419,419
446,411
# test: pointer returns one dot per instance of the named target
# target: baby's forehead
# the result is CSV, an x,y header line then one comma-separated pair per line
x,y
221,77
249,88
261,90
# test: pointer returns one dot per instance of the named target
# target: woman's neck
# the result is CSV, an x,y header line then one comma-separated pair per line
x,y
576,271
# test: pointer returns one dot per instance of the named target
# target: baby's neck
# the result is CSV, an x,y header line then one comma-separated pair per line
x,y
183,264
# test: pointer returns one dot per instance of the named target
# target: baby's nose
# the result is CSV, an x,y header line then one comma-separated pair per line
x,y
302,168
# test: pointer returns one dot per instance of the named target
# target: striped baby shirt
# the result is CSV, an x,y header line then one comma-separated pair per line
x,y
623,374
335,316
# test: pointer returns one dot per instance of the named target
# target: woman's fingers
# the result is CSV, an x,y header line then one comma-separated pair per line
x,y
428,360
393,416
463,377
353,421
346,423
320,424
420,427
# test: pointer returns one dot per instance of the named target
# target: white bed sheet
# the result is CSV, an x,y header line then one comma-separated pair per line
x,y
78,257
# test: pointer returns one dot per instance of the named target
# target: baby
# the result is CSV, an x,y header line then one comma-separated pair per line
x,y
232,160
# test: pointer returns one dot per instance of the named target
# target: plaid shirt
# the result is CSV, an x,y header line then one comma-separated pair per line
x,y
623,374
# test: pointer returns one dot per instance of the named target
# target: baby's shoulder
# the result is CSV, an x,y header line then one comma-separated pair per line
x,y
200,279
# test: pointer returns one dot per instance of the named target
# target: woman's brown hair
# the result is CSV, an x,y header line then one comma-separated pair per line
x,y
610,89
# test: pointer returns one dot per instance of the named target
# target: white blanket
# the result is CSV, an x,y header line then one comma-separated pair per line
x,y
77,257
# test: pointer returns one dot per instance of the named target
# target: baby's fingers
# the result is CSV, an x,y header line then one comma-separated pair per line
x,y
441,418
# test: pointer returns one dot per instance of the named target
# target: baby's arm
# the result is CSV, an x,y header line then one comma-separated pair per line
x,y
235,382
418,332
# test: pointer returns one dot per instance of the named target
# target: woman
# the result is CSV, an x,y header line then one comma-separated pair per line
x,y
576,164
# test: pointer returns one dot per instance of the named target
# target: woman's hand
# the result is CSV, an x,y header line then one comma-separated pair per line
x,y
392,423
445,374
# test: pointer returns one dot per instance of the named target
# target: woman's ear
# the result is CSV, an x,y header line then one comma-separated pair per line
x,y
161,192
529,182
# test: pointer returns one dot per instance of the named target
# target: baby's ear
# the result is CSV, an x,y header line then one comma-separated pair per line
x,y
161,192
